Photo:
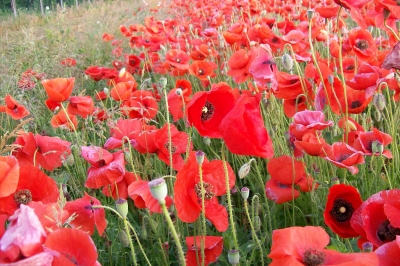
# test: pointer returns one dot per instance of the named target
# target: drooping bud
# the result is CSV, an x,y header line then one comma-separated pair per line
x,y
257,223
379,101
377,116
158,189
245,193
245,169
386,13
233,256
287,62
377,147
122,207
200,157
124,238
145,221
255,205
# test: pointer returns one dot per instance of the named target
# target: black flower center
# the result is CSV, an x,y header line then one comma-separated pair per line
x,y
23,196
101,163
362,45
313,257
173,148
355,104
208,190
350,67
342,210
342,158
207,112
201,72
386,232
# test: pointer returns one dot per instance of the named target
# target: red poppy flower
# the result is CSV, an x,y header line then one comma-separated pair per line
x,y
106,168
9,175
179,143
312,144
24,236
179,97
69,62
95,72
86,216
51,216
187,191
389,253
125,128
40,188
342,201
362,43
141,105
243,129
344,156
310,120
80,105
306,246
178,59
47,152
58,89
262,67
357,100
13,108
334,97
366,141
367,78
207,109
292,106
392,60
139,192
213,246
107,37
3,220
203,69
132,63
73,246
145,139
280,186
119,190
327,11
289,86
123,90
64,120
239,64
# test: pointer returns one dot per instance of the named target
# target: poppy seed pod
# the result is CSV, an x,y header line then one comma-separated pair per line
x,y
163,82
233,256
377,147
379,101
245,193
367,247
122,207
158,189
200,157
310,14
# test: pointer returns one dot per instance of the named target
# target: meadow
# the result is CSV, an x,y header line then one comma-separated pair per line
x,y
203,132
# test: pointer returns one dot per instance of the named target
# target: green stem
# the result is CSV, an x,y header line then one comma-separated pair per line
x,y
253,232
203,215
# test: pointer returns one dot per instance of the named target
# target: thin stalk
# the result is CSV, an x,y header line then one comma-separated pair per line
x,y
203,214
253,232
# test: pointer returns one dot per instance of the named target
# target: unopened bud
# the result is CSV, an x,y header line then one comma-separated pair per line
x,y
163,82
331,79
379,101
122,72
123,237
200,157
377,116
245,193
207,141
287,62
245,169
377,147
350,126
106,91
158,189
255,205
122,207
69,161
233,257
257,223
127,156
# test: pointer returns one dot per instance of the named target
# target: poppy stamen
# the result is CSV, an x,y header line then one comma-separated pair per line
x,y
386,232
173,148
207,112
355,104
362,45
24,196
342,158
313,257
342,210
208,190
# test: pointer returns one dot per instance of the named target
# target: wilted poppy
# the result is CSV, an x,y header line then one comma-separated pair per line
x,y
73,246
80,105
87,217
13,108
188,191
139,192
243,129
342,201
213,246
106,168
58,89
33,185
9,175
307,246
179,144
207,109
344,156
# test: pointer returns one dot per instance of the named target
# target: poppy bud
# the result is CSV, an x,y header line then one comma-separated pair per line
x,y
122,207
379,101
398,24
287,62
207,141
127,156
69,161
144,227
330,79
377,147
257,223
367,247
163,82
163,48
245,169
255,205
124,238
158,189
350,126
377,116
233,256
310,14
122,72
245,193
200,157
106,91
263,13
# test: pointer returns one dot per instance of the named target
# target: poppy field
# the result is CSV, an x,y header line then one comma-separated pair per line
x,y
202,133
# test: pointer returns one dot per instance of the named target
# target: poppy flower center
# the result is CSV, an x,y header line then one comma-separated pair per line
x,y
208,190
342,158
207,112
386,232
342,210
178,60
275,39
362,45
201,72
24,196
101,163
173,148
350,67
355,104
313,257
